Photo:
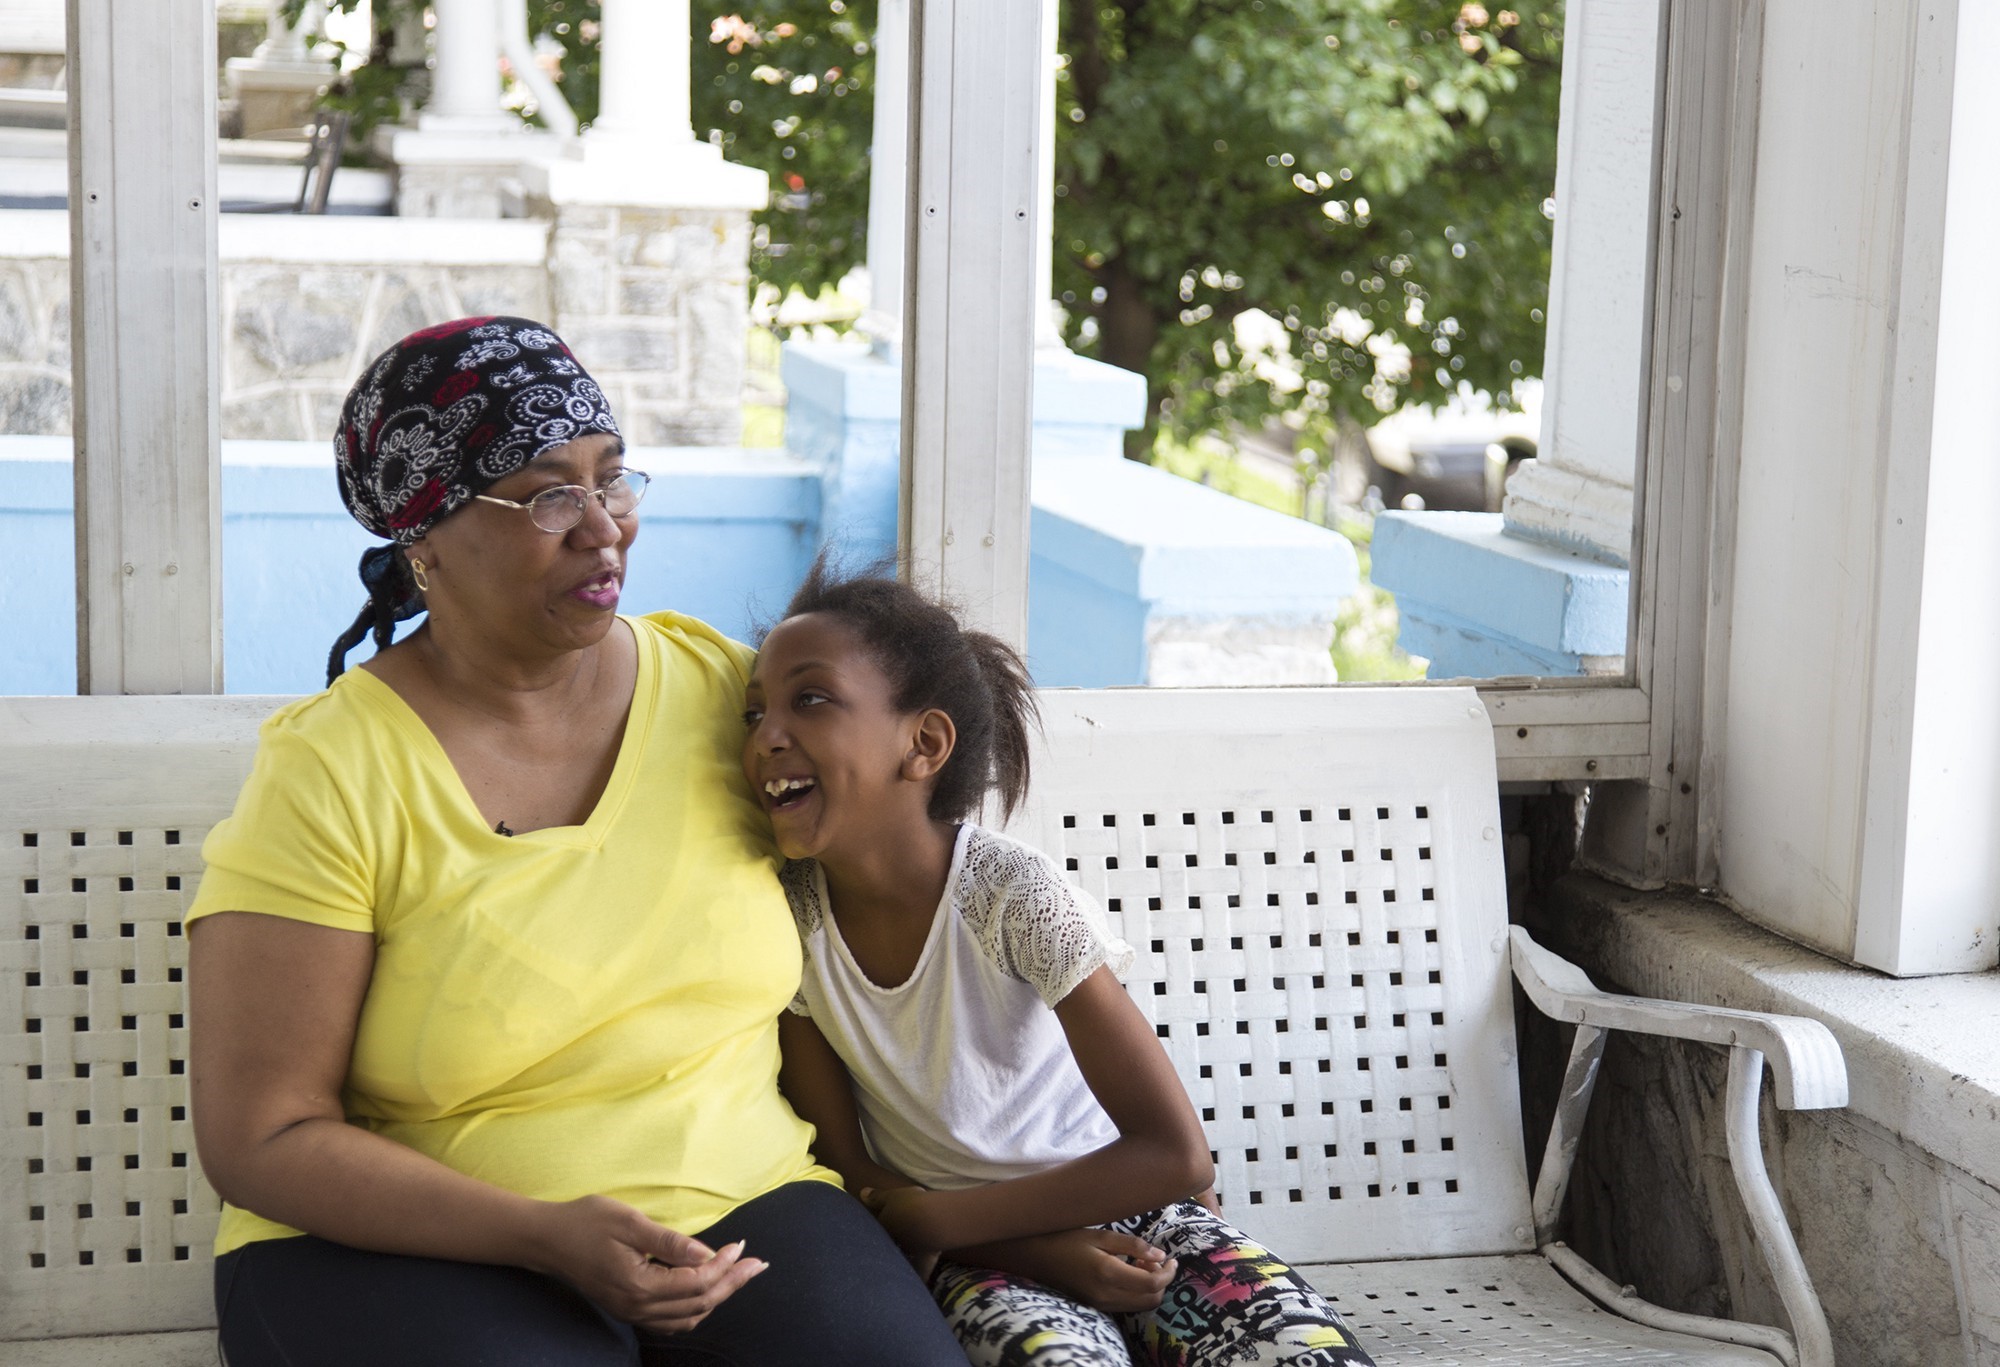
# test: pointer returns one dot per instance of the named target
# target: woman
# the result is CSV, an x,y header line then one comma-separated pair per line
x,y
486,964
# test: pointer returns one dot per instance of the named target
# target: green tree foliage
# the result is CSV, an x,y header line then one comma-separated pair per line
x,y
1310,210
790,86
1369,175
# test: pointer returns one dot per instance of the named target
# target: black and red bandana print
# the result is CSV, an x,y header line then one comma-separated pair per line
x,y
449,411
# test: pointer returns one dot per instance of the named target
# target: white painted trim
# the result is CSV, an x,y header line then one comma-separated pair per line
x,y
1648,835
888,175
1724,480
1929,867
970,303
143,324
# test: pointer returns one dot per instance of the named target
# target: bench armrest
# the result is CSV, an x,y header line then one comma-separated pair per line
x,y
1810,1074
1806,1063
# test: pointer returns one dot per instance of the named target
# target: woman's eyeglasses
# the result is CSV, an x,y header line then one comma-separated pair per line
x,y
560,508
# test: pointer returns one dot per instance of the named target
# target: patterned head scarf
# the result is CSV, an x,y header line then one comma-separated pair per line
x,y
436,419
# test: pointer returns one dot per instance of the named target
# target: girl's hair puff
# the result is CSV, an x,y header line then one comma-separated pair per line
x,y
932,661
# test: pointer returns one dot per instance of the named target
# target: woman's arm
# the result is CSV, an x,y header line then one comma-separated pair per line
x,y
273,1007
1160,1154
817,1084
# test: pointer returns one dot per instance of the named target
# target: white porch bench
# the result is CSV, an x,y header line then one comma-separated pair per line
x,y
1313,882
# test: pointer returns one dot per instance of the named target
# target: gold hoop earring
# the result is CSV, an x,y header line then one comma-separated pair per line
x,y
417,573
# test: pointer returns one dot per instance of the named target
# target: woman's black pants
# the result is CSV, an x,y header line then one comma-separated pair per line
x,y
837,1291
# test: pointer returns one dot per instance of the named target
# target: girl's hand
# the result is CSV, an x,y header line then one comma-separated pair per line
x,y
902,1211
639,1271
1116,1273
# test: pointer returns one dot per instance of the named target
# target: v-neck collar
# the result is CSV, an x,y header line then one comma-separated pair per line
x,y
590,833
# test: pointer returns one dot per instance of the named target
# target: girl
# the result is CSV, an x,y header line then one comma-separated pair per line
x,y
961,1042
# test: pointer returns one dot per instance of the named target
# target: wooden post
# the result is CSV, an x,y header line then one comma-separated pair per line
x,y
143,338
970,300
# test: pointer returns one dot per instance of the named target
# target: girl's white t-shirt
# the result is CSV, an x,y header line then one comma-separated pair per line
x,y
962,1074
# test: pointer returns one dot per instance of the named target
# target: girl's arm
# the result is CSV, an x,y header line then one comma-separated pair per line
x,y
1160,1155
817,1083
274,1005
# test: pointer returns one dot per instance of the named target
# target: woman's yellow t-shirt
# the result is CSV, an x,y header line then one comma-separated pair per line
x,y
576,1010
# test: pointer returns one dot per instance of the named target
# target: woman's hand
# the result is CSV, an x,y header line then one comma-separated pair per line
x,y
639,1271
1116,1273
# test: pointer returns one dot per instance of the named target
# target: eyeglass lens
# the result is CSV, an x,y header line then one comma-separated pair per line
x,y
557,510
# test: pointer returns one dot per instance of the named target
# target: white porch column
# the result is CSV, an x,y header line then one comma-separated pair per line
x,y
644,70
461,159
275,87
282,42
888,178
649,261
465,85
641,150
977,109
143,322
1577,493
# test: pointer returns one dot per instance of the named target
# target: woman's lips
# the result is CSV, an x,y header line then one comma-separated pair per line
x,y
598,592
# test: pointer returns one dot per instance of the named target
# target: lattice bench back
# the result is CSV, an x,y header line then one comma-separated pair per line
x,y
106,1224
1312,880
1313,883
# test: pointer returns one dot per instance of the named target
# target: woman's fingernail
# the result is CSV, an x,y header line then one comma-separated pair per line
x,y
756,1266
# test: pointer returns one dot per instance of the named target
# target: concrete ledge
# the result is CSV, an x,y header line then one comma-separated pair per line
x,y
1480,603
356,240
1184,548
330,240
844,410
1140,576
844,379
1076,391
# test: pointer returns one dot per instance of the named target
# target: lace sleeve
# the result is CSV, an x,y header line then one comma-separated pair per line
x,y
1032,921
802,893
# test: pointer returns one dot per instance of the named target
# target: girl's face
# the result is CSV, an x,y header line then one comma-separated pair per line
x,y
827,753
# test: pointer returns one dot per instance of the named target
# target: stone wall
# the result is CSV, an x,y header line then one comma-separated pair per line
x,y
34,346
655,303
295,336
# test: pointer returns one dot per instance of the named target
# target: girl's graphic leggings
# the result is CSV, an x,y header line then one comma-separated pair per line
x,y
1232,1302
